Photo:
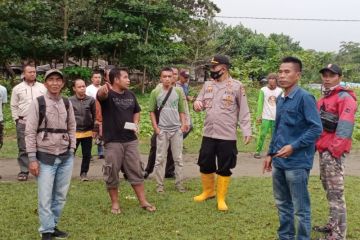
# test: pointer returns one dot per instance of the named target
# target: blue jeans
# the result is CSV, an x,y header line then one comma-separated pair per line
x,y
100,149
53,185
292,199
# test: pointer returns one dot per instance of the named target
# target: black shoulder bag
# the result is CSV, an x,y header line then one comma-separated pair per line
x,y
329,120
158,110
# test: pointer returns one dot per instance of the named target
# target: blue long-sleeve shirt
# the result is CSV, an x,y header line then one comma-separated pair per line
x,y
298,124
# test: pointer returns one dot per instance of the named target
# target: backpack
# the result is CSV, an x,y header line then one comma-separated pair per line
x,y
42,117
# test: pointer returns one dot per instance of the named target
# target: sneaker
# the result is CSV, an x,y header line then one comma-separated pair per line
x,y
46,236
257,155
160,189
101,156
180,188
59,234
83,177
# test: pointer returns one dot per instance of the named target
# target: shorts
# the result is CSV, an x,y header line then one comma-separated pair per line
x,y
126,155
217,156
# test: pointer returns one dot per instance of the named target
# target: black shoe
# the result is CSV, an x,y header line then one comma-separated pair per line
x,y
46,236
322,229
101,156
57,234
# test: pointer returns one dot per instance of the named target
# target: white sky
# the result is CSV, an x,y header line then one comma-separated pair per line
x,y
320,36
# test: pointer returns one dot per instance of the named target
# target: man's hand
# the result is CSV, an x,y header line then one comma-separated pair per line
x,y
34,168
157,131
198,106
247,140
267,164
284,152
258,120
184,128
104,91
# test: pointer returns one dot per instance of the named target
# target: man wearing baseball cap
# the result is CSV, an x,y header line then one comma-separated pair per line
x,y
224,101
337,109
50,143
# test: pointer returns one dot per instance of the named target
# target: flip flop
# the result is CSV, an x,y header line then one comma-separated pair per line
x,y
115,211
149,208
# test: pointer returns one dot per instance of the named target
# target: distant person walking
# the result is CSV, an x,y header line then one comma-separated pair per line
x,y
266,110
85,113
21,97
337,108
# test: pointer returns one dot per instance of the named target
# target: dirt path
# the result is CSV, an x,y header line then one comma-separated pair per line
x,y
246,166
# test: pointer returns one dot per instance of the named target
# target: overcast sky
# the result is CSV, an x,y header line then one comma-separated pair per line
x,y
321,36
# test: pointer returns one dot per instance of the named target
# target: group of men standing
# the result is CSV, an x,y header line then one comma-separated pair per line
x,y
51,127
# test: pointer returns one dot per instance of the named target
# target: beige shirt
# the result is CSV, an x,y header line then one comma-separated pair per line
x,y
21,97
226,106
56,114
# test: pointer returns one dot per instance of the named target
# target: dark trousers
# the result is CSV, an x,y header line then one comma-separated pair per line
x,y
217,156
170,167
86,145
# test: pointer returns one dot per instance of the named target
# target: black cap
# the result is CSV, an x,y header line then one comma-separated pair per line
x,y
219,59
332,68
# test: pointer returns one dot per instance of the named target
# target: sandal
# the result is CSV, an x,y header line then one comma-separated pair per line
x,y
149,208
115,211
23,176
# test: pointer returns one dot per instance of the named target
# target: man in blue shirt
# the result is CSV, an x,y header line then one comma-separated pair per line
x,y
291,152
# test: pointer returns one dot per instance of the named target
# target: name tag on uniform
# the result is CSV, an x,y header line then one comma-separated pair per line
x,y
130,126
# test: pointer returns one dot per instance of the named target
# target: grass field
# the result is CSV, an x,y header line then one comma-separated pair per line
x,y
252,214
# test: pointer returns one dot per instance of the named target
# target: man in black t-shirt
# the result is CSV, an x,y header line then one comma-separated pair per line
x,y
121,115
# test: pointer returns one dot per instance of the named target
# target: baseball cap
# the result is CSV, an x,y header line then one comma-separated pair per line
x,y
53,71
184,73
332,68
219,59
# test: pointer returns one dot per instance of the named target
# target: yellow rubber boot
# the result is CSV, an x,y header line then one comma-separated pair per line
x,y
222,187
208,184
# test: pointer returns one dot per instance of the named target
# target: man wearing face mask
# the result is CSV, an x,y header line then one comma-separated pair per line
x,y
225,103
333,144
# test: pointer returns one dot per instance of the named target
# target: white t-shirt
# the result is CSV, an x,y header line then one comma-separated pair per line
x,y
3,99
269,107
91,90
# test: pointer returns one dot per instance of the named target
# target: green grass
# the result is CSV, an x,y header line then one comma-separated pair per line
x,y
252,213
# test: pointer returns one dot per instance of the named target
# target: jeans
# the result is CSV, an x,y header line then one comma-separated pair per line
x,y
292,199
53,185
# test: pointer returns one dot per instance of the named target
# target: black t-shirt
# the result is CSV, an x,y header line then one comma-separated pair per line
x,y
116,110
